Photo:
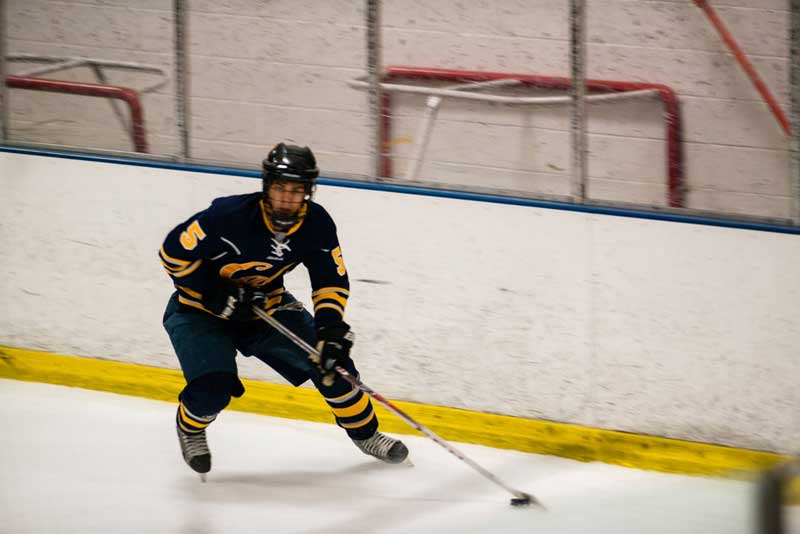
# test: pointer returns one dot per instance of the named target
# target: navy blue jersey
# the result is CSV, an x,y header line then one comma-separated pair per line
x,y
232,240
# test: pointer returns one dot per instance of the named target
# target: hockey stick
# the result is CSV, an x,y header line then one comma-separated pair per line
x,y
520,497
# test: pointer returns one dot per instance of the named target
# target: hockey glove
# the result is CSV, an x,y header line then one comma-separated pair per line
x,y
233,302
333,344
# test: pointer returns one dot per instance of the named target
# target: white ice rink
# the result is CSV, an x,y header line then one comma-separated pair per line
x,y
79,461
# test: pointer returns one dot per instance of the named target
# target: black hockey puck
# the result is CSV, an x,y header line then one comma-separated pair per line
x,y
521,501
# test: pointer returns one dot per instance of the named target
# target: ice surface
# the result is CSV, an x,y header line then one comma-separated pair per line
x,y
79,461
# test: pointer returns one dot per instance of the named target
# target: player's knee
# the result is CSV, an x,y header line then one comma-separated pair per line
x,y
210,394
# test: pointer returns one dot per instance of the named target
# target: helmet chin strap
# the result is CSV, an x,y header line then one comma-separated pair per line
x,y
283,222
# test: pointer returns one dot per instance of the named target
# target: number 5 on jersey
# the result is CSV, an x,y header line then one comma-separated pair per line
x,y
337,257
192,235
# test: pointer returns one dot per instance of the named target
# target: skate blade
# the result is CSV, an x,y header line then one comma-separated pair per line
x,y
407,462
203,478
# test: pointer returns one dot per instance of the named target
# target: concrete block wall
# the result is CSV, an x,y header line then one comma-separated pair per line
x,y
269,70
104,30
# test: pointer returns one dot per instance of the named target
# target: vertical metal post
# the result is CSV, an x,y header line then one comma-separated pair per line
x,y
182,77
374,77
768,514
578,94
4,103
794,109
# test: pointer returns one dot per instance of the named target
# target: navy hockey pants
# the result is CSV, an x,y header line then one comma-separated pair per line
x,y
206,347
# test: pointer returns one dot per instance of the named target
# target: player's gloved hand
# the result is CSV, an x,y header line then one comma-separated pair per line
x,y
334,342
233,302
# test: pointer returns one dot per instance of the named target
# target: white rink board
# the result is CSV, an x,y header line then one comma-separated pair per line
x,y
653,327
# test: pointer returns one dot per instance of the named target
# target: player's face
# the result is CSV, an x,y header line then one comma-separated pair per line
x,y
286,197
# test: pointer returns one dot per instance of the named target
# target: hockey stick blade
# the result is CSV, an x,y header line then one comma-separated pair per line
x,y
520,497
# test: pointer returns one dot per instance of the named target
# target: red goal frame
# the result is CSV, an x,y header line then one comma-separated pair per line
x,y
129,96
668,97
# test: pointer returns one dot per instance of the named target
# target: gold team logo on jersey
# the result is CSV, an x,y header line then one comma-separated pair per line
x,y
245,273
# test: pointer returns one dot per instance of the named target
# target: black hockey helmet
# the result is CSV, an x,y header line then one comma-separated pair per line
x,y
288,163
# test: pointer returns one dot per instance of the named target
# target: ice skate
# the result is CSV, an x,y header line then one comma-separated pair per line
x,y
195,451
384,448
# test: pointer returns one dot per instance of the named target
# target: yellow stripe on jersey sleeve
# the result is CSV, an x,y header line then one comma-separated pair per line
x,y
170,269
189,270
322,290
174,263
331,296
193,304
334,298
331,306
191,292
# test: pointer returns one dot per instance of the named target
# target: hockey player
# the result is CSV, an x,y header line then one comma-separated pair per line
x,y
232,256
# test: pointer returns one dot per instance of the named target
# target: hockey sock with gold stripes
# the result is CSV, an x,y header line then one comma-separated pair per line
x,y
354,413
191,423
